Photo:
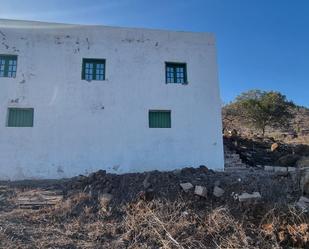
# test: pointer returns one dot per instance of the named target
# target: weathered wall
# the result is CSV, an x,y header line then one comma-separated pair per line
x,y
82,126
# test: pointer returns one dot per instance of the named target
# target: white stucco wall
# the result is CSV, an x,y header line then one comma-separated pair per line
x,y
81,126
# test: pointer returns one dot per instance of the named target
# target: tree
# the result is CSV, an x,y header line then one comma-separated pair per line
x,y
261,109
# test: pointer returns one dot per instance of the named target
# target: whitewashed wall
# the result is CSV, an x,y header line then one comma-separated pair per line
x,y
81,126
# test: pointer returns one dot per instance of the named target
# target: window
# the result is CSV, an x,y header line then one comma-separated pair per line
x,y
159,119
20,117
176,72
8,66
93,69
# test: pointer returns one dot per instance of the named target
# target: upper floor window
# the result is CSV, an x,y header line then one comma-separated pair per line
x,y
8,66
176,72
20,117
93,69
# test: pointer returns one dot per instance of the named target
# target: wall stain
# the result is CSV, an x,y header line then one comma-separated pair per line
x,y
1,33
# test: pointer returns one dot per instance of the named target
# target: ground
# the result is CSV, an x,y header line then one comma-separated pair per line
x,y
152,210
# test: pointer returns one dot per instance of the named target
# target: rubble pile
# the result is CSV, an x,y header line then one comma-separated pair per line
x,y
187,183
257,151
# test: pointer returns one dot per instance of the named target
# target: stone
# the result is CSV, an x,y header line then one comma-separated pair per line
x,y
146,182
186,186
218,192
291,169
280,169
249,197
105,199
201,191
217,183
303,162
304,181
269,168
303,203
274,147
288,160
302,149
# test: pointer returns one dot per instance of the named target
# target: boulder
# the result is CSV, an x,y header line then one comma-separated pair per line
x,y
200,191
186,186
218,192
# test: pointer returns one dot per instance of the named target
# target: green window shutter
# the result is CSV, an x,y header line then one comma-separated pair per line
x,y
93,69
8,66
20,117
159,119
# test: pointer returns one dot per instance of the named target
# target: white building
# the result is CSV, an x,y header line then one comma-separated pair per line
x,y
77,98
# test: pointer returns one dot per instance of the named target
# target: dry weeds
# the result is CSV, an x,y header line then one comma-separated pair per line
x,y
80,222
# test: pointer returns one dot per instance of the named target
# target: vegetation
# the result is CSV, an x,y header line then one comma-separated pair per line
x,y
261,109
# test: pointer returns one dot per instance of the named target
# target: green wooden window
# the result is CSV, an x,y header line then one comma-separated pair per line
x,y
176,73
159,119
93,69
20,117
8,66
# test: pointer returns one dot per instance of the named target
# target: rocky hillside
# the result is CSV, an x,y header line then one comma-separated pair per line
x,y
284,147
298,132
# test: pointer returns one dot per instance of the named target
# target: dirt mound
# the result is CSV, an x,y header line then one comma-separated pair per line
x,y
166,185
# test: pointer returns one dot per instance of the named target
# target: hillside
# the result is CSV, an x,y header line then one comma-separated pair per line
x,y
290,146
298,132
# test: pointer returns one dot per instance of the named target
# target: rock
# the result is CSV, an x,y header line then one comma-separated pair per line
x,y
233,132
288,160
280,169
186,186
303,203
187,171
303,162
203,168
304,181
201,191
291,169
274,147
104,200
249,197
147,195
269,168
302,149
218,192
146,182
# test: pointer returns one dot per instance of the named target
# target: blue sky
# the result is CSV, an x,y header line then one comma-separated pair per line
x,y
262,44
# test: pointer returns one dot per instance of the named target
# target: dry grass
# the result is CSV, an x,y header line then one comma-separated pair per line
x,y
80,222
175,225
290,228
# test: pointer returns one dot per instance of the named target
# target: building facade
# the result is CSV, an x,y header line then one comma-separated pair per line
x,y
78,98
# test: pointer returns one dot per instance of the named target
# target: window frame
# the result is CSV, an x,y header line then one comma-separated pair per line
x,y
174,65
8,124
95,62
7,58
160,127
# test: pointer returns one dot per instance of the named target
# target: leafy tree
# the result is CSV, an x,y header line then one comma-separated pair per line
x,y
261,109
